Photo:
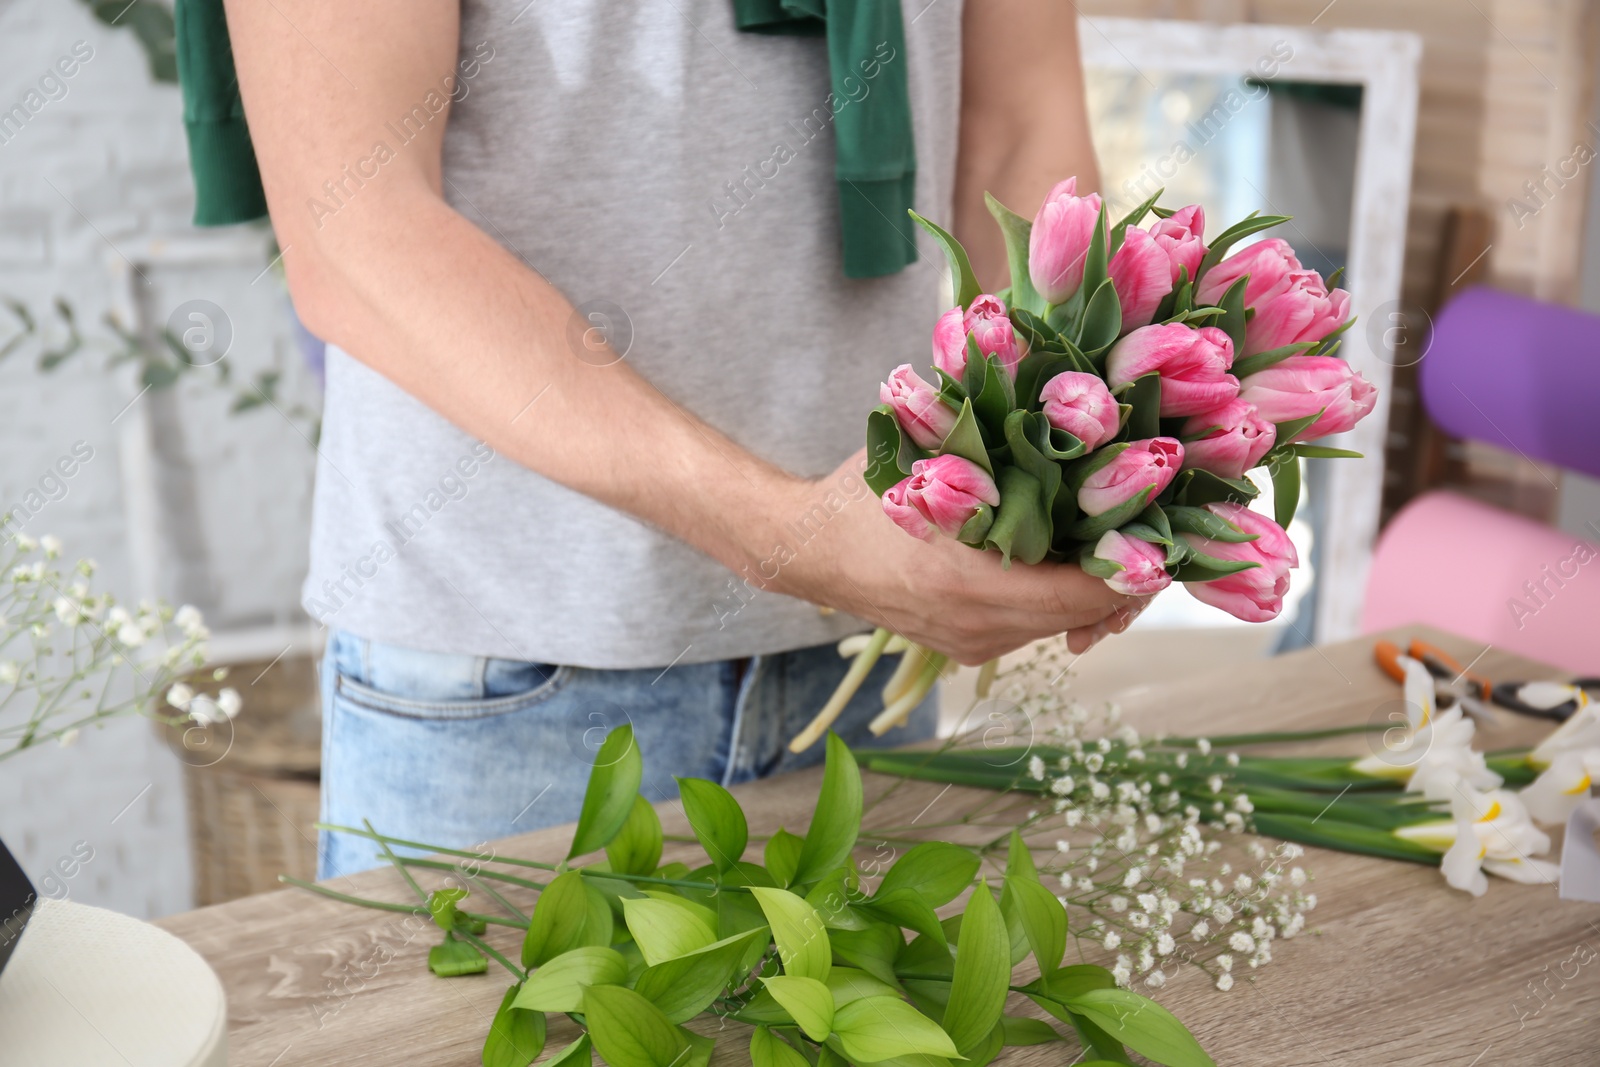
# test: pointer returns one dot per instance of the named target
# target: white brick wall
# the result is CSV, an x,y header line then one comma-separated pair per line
x,y
113,146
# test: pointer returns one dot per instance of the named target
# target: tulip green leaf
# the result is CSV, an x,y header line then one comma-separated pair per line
x,y
1177,304
1254,222
1093,527
906,908
873,950
982,973
1285,489
837,820
1199,567
874,1029
1095,261
1155,517
516,1036
1095,567
637,847
1144,396
807,1001
717,820
1142,1025
994,401
966,440
1016,231
1234,319
1019,1030
1244,366
1323,452
613,783
629,1031
451,959
1102,319
686,986
935,869
1078,472
1133,218
559,984
783,856
666,929
561,921
1330,344
1288,431
1028,434
963,280
1195,486
799,932
1022,526
769,1050
1033,329
884,443
1199,521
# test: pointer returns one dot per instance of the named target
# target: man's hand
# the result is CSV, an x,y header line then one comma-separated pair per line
x,y
945,595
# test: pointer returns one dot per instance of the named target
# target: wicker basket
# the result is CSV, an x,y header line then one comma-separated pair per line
x,y
252,783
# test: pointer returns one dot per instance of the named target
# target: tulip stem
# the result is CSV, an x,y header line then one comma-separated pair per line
x,y
904,675
848,686
895,714
986,675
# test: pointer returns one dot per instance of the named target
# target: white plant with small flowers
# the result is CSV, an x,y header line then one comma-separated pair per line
x,y
72,658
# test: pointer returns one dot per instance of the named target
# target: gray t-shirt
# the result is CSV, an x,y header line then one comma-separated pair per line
x,y
674,178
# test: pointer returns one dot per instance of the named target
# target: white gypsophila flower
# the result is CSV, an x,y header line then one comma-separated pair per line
x,y
1222,913
131,634
1232,759
1242,942
1199,930
1203,746
1155,979
1165,944
9,672
1297,877
69,737
1225,961
228,702
1117,903
26,543
179,696
66,610
1063,847
1122,971
1113,939
1147,959
1099,790
1061,787
1224,982
204,710
1214,783
1095,762
1086,885
51,545
1138,920
117,617
1134,876
1147,901
188,618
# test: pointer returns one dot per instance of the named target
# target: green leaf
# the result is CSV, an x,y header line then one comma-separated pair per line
x,y
629,1031
849,984
962,279
994,401
560,920
451,958
873,950
1323,452
966,440
1144,396
1206,524
783,856
885,441
1234,320
807,1001
1195,486
878,1028
686,986
1252,223
1285,489
832,901
559,984
1022,527
1044,920
934,869
982,974
837,820
1019,1030
578,1054
1244,366
717,820
802,938
903,907
1199,567
1143,1025
1093,527
1288,431
1016,230
637,847
1028,434
442,906
1102,320
516,1036
769,1050
1096,259
1133,218
613,783
665,929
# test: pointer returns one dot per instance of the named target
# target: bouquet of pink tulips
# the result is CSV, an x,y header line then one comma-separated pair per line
x,y
1106,408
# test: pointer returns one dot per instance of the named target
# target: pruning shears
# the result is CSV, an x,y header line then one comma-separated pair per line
x,y
1477,695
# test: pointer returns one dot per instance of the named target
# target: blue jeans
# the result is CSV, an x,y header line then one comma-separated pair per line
x,y
455,750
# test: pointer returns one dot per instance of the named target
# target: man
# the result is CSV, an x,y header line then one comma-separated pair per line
x,y
597,376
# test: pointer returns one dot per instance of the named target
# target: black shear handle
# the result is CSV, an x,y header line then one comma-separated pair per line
x,y
1505,695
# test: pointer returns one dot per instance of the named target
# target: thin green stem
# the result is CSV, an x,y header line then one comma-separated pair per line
x,y
440,865
508,860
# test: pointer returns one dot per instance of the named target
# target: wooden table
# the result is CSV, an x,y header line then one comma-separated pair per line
x,y
1395,968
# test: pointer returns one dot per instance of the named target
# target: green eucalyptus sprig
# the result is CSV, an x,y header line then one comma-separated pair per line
x,y
827,972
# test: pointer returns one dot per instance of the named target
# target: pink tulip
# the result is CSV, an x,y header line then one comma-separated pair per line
x,y
1193,365
987,322
1141,274
1304,385
950,343
1299,308
919,409
1144,566
1081,405
1254,595
942,493
1229,440
1267,262
1179,236
1140,466
1060,240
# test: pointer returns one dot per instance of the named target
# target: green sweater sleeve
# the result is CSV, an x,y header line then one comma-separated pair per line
x,y
227,183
